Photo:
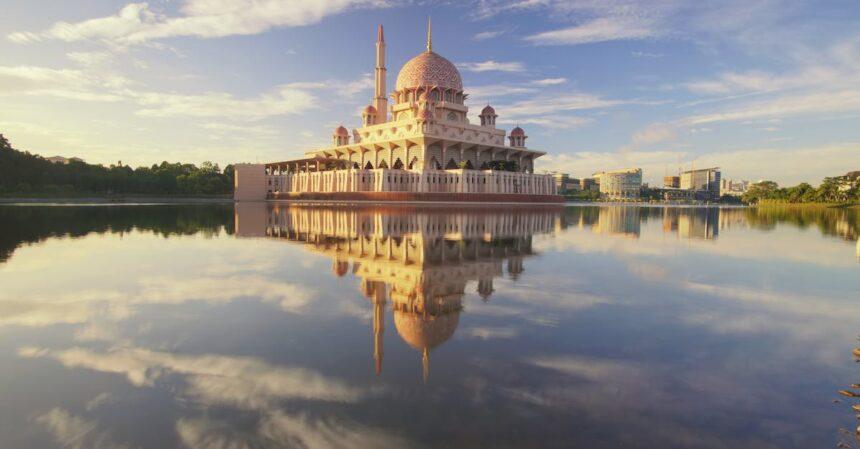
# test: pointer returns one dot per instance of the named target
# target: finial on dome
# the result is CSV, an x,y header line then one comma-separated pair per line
x,y
429,34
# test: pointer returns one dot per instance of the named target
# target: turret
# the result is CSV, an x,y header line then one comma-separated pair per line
x,y
340,136
488,116
518,137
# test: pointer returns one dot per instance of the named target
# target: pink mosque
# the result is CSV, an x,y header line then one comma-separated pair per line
x,y
420,148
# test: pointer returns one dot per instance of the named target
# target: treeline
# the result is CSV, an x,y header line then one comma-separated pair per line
x,y
25,173
26,225
837,189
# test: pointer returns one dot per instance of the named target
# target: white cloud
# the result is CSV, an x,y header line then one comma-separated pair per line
x,y
283,100
597,30
61,83
89,58
655,133
137,22
549,81
485,35
784,106
491,66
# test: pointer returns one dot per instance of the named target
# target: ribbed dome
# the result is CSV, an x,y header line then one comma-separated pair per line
x,y
369,109
488,110
518,132
422,332
429,69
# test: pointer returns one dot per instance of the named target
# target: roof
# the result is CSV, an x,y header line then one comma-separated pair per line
x,y
428,69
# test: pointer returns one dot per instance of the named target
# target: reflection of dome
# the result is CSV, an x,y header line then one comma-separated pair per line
x,y
429,70
425,332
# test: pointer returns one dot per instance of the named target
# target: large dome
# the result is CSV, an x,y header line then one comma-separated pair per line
x,y
429,69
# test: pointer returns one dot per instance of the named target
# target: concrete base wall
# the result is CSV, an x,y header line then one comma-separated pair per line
x,y
408,197
250,182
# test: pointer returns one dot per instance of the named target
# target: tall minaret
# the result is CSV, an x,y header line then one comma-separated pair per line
x,y
380,98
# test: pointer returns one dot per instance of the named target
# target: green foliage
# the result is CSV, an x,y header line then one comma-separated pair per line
x,y
511,166
837,189
583,195
22,172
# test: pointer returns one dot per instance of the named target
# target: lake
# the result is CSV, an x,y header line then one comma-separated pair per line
x,y
269,326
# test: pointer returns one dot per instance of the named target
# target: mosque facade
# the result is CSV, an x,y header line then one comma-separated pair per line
x,y
421,147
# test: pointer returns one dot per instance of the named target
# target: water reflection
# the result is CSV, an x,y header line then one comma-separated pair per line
x,y
275,326
418,261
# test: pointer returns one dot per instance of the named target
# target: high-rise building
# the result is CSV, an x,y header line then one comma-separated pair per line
x,y
620,185
704,181
672,182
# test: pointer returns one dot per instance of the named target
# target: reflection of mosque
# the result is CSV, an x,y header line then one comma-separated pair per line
x,y
420,261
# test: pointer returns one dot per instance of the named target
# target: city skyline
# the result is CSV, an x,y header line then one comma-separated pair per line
x,y
765,91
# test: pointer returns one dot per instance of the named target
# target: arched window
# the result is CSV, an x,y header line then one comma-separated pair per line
x,y
398,164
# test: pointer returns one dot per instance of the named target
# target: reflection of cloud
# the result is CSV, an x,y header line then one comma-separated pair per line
x,y
490,333
212,379
74,432
279,429
84,306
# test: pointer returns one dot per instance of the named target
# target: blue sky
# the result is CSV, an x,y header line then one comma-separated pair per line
x,y
765,90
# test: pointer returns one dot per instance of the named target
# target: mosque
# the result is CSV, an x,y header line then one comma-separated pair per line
x,y
421,147
417,263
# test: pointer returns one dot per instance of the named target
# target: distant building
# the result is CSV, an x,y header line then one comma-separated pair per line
x,y
589,184
63,160
564,183
620,185
733,188
705,182
672,182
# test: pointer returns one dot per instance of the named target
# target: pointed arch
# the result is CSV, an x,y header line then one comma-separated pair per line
x,y
368,166
383,164
469,165
414,163
398,164
355,165
451,164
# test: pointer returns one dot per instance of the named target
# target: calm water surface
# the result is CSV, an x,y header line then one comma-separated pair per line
x,y
300,327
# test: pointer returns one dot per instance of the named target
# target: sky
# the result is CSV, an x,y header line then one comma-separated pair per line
x,y
761,89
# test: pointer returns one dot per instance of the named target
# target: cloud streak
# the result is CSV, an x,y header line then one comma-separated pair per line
x,y
137,23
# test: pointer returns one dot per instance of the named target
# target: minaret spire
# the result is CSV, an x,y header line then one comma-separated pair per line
x,y
380,96
429,34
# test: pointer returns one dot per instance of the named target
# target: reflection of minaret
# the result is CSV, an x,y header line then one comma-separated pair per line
x,y
515,267
485,288
375,290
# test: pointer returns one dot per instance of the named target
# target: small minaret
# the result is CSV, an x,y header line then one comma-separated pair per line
x,y
518,137
488,116
380,99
